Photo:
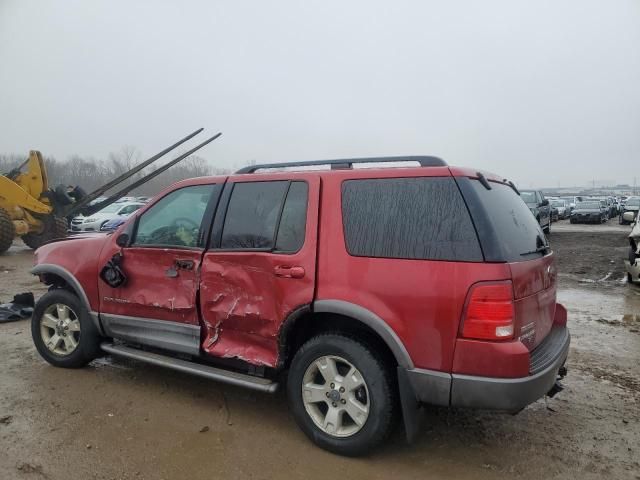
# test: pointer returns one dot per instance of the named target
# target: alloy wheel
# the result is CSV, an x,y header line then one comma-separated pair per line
x,y
335,396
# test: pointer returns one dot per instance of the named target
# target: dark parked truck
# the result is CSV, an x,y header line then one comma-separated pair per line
x,y
589,211
539,206
372,290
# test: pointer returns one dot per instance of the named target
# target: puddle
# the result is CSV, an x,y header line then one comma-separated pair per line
x,y
615,304
604,320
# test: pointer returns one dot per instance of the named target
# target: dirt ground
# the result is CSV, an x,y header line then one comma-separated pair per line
x,y
123,420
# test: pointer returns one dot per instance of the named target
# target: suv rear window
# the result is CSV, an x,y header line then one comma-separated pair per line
x,y
507,228
413,218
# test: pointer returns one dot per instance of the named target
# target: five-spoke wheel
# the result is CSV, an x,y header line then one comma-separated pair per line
x,y
60,329
335,396
341,394
63,331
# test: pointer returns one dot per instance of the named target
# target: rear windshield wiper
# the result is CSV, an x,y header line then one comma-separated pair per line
x,y
541,248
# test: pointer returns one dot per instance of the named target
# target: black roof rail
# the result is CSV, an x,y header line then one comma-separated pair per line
x,y
347,163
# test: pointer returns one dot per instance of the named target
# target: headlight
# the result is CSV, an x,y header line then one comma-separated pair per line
x,y
90,220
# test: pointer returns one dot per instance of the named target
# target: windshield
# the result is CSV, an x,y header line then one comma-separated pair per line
x,y
111,208
528,197
557,203
633,202
589,205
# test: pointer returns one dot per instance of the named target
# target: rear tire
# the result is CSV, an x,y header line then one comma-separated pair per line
x,y
62,330
54,227
360,385
7,231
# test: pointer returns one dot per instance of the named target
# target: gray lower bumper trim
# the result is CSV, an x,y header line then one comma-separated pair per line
x,y
507,394
430,386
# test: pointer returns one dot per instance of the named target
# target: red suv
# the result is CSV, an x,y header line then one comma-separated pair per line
x,y
371,286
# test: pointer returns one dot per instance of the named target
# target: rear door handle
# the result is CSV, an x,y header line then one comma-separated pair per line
x,y
287,271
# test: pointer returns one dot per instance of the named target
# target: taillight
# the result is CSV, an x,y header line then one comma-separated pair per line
x,y
489,314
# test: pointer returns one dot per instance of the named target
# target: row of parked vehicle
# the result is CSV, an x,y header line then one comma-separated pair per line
x,y
110,217
579,209
599,210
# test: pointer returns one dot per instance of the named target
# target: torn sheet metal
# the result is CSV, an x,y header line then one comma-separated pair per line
x,y
243,304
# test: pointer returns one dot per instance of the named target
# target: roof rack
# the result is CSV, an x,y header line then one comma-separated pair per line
x,y
347,163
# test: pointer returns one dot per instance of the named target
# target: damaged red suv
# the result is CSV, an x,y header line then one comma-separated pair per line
x,y
368,286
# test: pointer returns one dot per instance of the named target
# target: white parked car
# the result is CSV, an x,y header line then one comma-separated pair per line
x,y
93,222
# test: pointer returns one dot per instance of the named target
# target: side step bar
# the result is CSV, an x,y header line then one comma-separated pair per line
x,y
206,371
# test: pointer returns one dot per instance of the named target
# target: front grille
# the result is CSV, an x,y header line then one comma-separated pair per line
x,y
545,353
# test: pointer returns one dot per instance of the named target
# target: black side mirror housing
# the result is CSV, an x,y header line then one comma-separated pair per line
x,y
122,240
544,203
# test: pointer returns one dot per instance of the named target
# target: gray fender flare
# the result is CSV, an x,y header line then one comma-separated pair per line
x,y
73,282
371,320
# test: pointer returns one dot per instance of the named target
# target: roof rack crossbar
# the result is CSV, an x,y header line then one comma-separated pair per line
x,y
347,163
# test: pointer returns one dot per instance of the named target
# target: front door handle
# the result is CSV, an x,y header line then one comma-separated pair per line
x,y
184,264
287,271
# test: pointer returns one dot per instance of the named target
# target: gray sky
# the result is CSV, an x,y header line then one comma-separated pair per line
x,y
542,92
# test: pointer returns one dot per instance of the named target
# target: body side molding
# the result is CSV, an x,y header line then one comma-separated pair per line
x,y
172,336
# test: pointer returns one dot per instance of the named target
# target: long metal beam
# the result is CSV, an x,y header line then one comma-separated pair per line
x,y
112,198
108,186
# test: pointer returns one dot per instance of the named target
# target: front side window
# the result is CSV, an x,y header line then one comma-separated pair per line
x,y
176,220
268,216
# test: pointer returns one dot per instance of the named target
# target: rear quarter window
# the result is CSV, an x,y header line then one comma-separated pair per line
x,y
507,229
421,218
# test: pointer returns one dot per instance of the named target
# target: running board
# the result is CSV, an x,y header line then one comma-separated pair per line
x,y
206,371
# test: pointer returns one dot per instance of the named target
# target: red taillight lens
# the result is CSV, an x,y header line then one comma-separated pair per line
x,y
489,314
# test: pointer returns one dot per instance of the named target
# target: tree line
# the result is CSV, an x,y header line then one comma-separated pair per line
x,y
91,173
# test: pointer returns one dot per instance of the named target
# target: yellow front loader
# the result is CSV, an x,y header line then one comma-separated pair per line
x,y
26,207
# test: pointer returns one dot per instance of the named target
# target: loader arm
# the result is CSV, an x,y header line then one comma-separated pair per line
x,y
12,195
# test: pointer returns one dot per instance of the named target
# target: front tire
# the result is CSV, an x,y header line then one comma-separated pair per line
x,y
342,396
54,227
63,331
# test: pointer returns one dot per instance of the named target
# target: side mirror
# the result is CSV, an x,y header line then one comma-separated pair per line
x,y
122,240
544,203
628,216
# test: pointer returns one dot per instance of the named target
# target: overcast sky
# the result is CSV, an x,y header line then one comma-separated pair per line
x,y
542,92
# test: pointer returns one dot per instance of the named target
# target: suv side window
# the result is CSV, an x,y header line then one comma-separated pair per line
x,y
294,219
176,220
412,218
266,216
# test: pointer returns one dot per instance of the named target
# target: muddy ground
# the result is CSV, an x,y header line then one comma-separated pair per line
x,y
123,420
